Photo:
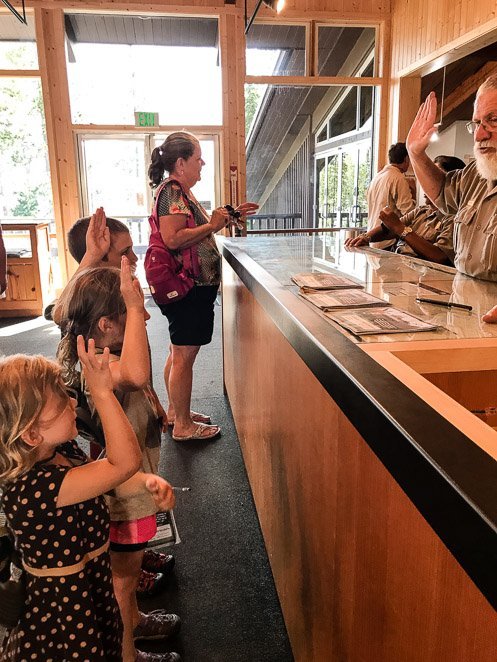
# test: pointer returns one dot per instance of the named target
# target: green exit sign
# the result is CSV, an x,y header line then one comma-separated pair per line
x,y
146,119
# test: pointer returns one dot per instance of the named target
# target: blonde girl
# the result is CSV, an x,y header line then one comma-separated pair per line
x,y
54,508
94,308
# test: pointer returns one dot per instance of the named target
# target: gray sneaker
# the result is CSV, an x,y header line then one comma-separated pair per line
x,y
157,624
157,657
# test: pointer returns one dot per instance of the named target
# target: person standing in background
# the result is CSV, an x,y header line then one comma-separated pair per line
x,y
390,188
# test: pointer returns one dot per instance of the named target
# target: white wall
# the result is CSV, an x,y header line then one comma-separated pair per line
x,y
454,141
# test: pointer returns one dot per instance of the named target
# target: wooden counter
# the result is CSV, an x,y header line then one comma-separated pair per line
x,y
377,504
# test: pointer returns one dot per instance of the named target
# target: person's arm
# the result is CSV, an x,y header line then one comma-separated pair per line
x,y
429,176
420,246
3,264
132,371
379,233
97,246
490,317
123,454
160,489
177,235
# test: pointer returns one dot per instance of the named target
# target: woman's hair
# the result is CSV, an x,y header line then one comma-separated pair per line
x,y
178,145
25,384
93,293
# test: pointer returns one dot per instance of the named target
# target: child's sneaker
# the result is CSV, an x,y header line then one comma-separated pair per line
x,y
157,624
157,562
157,657
150,584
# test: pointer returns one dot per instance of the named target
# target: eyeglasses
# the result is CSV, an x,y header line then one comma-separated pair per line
x,y
489,124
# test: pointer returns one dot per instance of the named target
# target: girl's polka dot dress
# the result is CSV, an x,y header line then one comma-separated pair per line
x,y
70,617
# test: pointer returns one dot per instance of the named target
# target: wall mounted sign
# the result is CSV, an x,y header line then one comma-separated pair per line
x,y
143,119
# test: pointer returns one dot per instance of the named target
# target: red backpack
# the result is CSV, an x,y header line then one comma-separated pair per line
x,y
168,279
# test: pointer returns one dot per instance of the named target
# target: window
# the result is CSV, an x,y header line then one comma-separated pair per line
x,y
26,192
17,43
121,64
342,50
276,50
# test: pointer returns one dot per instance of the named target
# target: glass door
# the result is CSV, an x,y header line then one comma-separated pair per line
x,y
113,174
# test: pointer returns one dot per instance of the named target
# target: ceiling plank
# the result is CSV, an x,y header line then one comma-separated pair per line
x,y
467,88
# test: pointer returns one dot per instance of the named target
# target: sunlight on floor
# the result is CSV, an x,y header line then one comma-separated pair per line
x,y
28,325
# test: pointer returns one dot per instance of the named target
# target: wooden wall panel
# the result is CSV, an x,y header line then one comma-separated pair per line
x,y
335,8
359,572
441,27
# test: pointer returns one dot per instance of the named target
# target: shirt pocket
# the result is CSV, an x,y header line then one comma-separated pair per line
x,y
489,245
462,222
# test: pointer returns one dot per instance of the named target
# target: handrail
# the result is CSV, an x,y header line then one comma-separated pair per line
x,y
305,230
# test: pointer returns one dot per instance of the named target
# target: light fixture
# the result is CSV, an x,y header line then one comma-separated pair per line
x,y
435,136
275,5
15,12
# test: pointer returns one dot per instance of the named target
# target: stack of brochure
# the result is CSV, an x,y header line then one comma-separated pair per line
x,y
345,302
333,299
320,281
373,321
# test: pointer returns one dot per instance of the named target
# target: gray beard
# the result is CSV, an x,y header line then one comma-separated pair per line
x,y
486,165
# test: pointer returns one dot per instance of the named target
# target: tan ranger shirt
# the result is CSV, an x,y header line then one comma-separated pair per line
x,y
473,201
388,188
429,224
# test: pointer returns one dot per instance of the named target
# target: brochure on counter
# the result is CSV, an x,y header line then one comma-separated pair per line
x,y
321,281
346,298
373,321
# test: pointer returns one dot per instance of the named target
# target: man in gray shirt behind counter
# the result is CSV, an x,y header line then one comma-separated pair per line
x,y
469,194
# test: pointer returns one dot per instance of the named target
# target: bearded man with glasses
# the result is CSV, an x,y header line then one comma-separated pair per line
x,y
469,194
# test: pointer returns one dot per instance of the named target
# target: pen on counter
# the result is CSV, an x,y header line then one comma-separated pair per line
x,y
182,489
447,304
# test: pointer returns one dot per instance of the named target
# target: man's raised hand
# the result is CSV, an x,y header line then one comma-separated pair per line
x,y
423,127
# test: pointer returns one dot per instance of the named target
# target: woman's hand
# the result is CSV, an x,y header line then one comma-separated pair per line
x,y
219,219
423,127
130,287
247,208
161,491
97,236
95,368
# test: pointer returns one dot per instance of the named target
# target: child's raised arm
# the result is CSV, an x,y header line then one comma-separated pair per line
x,y
97,246
132,371
122,449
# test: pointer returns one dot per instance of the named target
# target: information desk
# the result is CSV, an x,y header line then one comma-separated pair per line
x,y
375,484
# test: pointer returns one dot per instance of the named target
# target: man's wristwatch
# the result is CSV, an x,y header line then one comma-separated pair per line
x,y
407,230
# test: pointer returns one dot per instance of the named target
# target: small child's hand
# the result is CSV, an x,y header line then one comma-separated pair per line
x,y
130,287
95,368
161,491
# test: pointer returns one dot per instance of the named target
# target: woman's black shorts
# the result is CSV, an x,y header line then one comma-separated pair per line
x,y
191,320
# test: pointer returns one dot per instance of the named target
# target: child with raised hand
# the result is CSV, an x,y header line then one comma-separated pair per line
x,y
108,305
52,498
100,241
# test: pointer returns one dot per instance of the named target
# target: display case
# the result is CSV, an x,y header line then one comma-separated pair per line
x,y
372,460
29,268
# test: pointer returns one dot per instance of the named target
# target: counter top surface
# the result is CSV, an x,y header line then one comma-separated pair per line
x,y
396,279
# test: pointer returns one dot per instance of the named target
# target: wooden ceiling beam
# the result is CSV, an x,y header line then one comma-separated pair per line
x,y
467,88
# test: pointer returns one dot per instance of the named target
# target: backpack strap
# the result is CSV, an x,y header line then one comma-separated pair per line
x,y
190,254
